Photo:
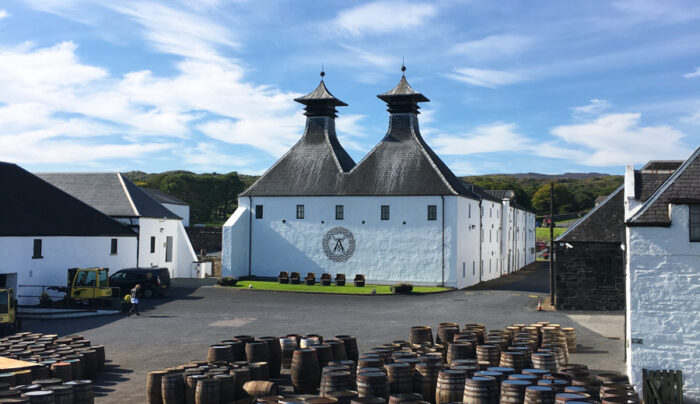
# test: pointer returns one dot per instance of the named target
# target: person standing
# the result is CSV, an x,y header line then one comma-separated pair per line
x,y
135,295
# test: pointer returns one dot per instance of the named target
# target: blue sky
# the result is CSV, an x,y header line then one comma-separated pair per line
x,y
207,85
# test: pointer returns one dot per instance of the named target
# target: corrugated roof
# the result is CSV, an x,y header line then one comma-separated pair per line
x,y
31,206
111,193
162,197
603,224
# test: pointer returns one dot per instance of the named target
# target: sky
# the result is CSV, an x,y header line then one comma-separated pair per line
x,y
208,85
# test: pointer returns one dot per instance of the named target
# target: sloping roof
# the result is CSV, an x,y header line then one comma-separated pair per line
x,y
646,183
30,206
603,224
483,194
111,193
662,165
683,186
501,193
162,197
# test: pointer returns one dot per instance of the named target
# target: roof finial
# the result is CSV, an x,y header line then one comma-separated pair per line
x,y
403,66
323,73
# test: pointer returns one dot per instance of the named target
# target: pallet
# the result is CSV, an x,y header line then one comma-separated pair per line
x,y
662,386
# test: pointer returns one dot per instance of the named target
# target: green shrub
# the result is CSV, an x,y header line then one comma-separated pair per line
x,y
227,281
401,288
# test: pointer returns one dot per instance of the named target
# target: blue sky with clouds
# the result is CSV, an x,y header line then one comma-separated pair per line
x,y
207,85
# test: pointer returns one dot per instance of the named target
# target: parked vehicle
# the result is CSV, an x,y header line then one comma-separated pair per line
x,y
89,286
9,322
153,281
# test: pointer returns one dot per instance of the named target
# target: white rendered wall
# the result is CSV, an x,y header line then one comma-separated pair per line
x,y
235,241
491,245
183,256
59,254
181,210
663,302
468,230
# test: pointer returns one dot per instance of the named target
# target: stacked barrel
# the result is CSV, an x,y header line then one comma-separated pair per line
x,y
61,368
518,364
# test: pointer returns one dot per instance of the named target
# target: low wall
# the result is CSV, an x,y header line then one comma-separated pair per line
x,y
205,238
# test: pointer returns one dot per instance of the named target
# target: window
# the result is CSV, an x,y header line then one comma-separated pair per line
x,y
694,224
470,210
37,249
464,269
169,248
300,211
258,211
432,212
86,278
490,235
385,212
491,211
153,245
113,249
606,278
339,212
473,267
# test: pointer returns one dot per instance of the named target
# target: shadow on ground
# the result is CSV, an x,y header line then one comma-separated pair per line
x,y
532,278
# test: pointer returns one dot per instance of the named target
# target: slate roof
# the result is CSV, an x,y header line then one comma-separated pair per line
x,y
662,165
162,197
31,207
483,194
603,224
501,193
645,184
681,187
111,193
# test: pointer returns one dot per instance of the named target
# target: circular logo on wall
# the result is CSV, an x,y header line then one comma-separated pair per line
x,y
339,244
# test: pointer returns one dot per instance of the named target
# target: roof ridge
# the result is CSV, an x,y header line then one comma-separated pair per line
x,y
575,225
128,194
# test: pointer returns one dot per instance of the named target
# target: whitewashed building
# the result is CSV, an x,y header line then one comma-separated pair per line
x,y
399,215
178,207
662,212
162,240
44,231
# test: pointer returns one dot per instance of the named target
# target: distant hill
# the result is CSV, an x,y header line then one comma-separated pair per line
x,y
213,196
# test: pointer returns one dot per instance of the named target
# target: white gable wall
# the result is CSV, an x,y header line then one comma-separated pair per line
x,y
183,256
59,254
663,301
491,246
468,223
181,210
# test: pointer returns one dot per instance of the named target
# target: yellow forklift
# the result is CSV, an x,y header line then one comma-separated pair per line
x,y
9,321
90,286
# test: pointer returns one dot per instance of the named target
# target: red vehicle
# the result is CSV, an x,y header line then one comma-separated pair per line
x,y
546,221
540,245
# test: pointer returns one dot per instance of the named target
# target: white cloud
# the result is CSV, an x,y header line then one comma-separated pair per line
x,y
596,106
363,57
209,157
496,137
493,47
696,73
618,139
384,17
4,14
486,78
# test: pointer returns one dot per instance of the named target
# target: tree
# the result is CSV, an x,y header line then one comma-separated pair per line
x,y
563,200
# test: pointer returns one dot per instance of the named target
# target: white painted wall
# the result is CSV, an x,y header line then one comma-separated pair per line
x,y
59,254
468,228
663,301
235,241
491,245
182,263
181,210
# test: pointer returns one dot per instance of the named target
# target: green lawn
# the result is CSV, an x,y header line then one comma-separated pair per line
x,y
542,233
350,289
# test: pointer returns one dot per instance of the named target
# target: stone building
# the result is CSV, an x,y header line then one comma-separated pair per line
x,y
399,215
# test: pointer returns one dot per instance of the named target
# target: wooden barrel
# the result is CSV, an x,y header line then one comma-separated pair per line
x,y
372,384
63,394
450,386
324,353
513,359
220,353
240,377
402,397
191,386
488,353
539,395
343,396
619,400
519,376
593,394
544,360
336,381
275,354
258,388
539,373
259,370
459,350
153,388
562,398
173,388
468,370
257,351
338,347
556,384
321,400
76,367
287,347
305,371
421,334
612,378
83,391
291,400
25,376
480,390
369,362
208,391
349,364
425,379
513,391
446,332
505,371
227,388
399,377
267,399
309,340
46,383
368,400
91,364
44,372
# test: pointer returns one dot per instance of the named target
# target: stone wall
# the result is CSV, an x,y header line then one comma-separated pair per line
x,y
207,238
578,277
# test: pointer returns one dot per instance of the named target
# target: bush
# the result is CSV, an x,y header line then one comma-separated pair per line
x,y
227,281
401,288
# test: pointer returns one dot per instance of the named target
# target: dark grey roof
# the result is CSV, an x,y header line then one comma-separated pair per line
x,y
111,193
162,197
662,165
501,194
603,224
403,89
645,184
321,93
682,187
483,194
29,206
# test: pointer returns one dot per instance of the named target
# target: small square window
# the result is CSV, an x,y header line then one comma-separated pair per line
x,y
258,211
300,211
432,212
37,249
113,249
339,212
694,224
385,212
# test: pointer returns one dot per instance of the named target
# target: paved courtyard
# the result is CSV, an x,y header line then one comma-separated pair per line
x,y
179,328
